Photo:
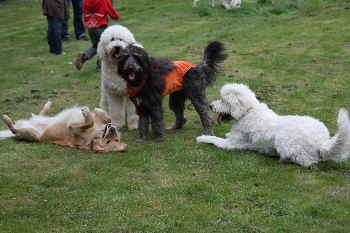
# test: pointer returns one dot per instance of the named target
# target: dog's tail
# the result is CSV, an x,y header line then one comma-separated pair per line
x,y
213,55
337,148
6,134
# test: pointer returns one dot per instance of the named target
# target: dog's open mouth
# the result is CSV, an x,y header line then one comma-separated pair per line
x,y
115,52
131,76
223,117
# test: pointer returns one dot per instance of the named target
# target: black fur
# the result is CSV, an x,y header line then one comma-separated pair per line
x,y
138,69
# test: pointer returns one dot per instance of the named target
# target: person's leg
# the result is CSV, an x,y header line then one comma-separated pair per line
x,y
78,20
65,34
54,33
90,52
95,34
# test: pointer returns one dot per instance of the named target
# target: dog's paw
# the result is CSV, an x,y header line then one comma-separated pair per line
x,y
85,110
7,120
202,139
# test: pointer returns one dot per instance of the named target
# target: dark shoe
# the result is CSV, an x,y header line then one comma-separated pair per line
x,y
65,38
83,37
79,61
178,124
159,139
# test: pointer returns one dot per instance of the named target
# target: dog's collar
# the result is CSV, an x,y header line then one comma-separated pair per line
x,y
153,69
132,91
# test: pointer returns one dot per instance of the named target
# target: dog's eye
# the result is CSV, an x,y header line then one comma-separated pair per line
x,y
112,39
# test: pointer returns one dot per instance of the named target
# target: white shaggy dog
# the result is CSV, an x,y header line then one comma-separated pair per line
x,y
300,139
113,88
228,4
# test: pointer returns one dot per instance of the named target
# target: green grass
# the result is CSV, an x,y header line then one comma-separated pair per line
x,y
294,54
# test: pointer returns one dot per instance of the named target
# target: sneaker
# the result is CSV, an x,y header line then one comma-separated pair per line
x,y
83,37
79,61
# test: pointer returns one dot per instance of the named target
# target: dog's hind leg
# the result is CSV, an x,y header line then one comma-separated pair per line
x,y
177,105
132,117
45,109
9,123
116,110
200,103
27,134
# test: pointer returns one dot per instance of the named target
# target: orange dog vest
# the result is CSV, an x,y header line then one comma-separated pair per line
x,y
174,79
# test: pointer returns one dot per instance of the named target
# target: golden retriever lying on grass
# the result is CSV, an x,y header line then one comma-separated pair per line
x,y
76,127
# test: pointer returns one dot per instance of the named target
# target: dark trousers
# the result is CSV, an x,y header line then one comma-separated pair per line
x,y
79,29
95,34
54,32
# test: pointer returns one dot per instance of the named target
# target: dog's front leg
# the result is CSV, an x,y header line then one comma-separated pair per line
x,y
157,123
143,127
77,128
223,143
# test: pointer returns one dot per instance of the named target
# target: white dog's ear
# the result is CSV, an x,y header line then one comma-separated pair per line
x,y
239,105
138,44
101,52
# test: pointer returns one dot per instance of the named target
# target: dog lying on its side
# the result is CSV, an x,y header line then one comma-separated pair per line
x,y
228,4
76,127
149,79
301,139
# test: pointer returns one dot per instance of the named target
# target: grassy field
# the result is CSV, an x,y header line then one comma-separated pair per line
x,y
294,54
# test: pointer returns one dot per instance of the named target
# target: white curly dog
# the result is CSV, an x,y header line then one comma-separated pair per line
x,y
228,4
113,88
301,139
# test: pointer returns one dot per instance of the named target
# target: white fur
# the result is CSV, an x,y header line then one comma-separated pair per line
x,y
300,139
113,87
228,4
39,123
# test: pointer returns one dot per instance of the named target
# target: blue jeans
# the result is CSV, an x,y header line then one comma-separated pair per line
x,y
79,28
54,32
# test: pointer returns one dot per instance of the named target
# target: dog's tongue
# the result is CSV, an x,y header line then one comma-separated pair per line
x,y
131,76
220,118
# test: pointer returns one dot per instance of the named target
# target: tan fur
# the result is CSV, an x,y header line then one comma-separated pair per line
x,y
78,127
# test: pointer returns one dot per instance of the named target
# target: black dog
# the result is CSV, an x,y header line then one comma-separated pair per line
x,y
149,79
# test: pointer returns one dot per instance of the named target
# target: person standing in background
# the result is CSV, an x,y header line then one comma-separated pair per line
x,y
56,13
79,29
96,13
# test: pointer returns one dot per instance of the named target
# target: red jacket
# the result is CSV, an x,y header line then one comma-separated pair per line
x,y
96,13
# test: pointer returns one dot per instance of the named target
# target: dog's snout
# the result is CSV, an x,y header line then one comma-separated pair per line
x,y
115,52
131,64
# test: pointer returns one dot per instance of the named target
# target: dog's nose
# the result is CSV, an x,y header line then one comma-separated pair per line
x,y
211,107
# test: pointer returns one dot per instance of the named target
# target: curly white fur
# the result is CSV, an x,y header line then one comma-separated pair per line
x,y
228,4
300,139
113,87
